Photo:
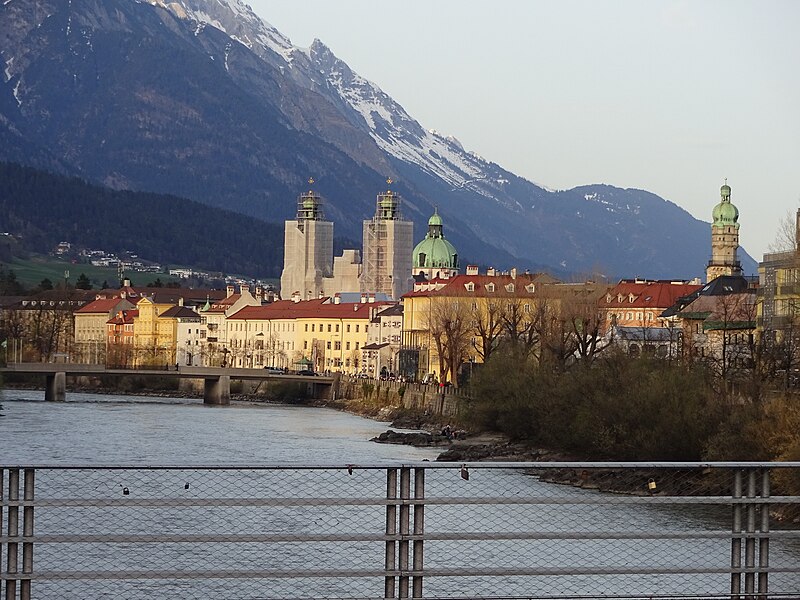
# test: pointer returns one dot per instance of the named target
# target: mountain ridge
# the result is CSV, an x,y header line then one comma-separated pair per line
x,y
204,99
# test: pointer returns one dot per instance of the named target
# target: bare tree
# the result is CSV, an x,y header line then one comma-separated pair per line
x,y
488,326
450,328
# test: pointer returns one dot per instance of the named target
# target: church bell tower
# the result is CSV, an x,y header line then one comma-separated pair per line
x,y
724,238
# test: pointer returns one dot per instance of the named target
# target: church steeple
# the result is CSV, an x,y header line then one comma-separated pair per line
x,y
724,237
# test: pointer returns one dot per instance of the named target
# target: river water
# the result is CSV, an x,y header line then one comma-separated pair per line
x,y
92,429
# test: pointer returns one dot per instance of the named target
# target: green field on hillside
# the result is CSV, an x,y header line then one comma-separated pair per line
x,y
30,272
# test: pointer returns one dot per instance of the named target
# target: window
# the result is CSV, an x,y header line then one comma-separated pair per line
x,y
329,327
489,287
348,328
470,286
357,327
347,346
510,287
526,308
329,346
356,345
337,346
306,326
305,345
337,328
530,288
312,327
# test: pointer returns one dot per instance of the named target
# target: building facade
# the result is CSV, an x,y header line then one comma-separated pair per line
x,y
308,250
387,245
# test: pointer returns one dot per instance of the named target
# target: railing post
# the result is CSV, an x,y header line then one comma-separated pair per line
x,y
750,543
419,531
2,514
763,541
13,531
405,522
736,540
391,531
27,532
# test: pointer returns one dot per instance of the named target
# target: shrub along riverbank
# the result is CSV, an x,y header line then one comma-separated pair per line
x,y
623,408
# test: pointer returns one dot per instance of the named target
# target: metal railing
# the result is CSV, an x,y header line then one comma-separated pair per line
x,y
432,530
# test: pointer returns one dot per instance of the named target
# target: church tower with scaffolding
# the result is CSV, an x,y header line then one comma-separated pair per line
x,y
308,249
388,242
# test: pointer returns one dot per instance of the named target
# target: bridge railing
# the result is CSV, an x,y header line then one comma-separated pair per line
x,y
423,530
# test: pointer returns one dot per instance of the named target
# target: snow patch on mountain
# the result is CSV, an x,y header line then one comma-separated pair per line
x,y
317,68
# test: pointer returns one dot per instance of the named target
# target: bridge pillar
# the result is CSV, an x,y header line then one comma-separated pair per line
x,y
55,390
217,390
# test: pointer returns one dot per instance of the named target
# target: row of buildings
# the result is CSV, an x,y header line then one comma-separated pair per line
x,y
407,312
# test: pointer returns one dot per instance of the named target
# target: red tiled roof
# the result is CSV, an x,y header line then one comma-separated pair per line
x,y
308,309
101,305
457,286
127,317
646,294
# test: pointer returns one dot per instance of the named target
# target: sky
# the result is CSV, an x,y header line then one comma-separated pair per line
x,y
669,96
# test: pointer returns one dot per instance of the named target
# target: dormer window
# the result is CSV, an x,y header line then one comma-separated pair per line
x,y
620,297
470,286
631,298
530,288
510,288
490,287
608,298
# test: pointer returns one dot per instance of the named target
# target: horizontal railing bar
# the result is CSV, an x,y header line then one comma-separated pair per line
x,y
354,573
593,500
432,537
416,465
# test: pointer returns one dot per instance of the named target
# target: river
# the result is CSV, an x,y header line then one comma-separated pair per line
x,y
92,429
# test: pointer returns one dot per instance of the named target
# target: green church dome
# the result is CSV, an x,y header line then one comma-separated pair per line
x,y
435,252
725,214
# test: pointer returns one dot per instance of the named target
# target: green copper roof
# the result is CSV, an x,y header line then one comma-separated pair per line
x,y
435,251
725,214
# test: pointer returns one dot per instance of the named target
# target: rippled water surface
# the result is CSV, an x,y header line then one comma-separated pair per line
x,y
94,429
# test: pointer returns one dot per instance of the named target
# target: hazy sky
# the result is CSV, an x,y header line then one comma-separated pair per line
x,y
669,96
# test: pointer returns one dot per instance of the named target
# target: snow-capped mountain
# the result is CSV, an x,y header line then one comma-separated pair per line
x,y
204,99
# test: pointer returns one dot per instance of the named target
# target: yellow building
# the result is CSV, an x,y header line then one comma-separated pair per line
x,y
462,320
154,337
322,335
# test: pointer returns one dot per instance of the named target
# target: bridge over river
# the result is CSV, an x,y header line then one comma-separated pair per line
x,y
216,390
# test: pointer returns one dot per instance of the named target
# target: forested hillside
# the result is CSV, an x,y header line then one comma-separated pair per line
x,y
43,209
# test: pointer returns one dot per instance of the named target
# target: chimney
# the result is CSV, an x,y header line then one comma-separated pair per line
x,y
180,300
490,272
230,290
355,307
363,298
321,295
295,297
259,292
127,282
245,289
337,298
513,273
371,298
472,270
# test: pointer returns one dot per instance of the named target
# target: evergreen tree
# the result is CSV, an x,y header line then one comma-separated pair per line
x,y
45,284
83,282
